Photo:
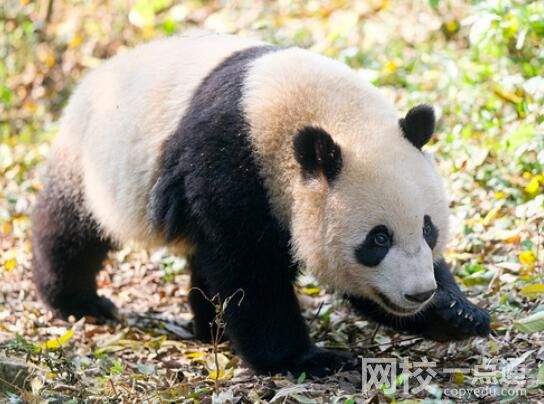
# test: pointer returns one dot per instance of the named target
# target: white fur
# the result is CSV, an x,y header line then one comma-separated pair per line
x,y
120,115
384,179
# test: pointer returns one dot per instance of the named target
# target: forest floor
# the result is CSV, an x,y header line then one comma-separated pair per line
x,y
481,67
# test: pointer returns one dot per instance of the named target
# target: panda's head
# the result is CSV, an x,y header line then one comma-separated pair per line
x,y
370,214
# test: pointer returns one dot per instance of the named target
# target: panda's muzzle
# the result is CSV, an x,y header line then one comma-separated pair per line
x,y
392,306
420,297
401,310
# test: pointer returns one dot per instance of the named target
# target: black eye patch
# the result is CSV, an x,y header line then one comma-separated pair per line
x,y
430,232
375,246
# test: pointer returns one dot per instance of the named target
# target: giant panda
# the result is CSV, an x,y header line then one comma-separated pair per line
x,y
252,160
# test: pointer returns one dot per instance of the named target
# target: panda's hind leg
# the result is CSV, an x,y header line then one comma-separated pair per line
x,y
202,304
68,248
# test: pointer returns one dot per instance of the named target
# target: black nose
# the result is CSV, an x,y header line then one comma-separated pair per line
x,y
420,297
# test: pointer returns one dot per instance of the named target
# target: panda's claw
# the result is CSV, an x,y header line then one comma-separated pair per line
x,y
453,317
99,307
320,362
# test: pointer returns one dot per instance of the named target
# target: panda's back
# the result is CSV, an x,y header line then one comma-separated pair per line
x,y
145,108
119,117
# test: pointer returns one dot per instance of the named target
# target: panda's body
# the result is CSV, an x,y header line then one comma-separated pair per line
x,y
144,100
249,159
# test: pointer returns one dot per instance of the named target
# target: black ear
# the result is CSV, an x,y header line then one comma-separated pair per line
x,y
418,125
317,153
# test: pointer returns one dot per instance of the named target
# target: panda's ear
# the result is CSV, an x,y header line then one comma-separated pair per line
x,y
317,153
418,125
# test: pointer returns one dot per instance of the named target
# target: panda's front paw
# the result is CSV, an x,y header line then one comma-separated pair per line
x,y
454,317
323,362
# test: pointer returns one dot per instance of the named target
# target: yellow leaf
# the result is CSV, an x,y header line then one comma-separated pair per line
x,y
148,32
50,59
195,355
507,95
6,228
58,342
10,264
532,291
527,257
508,236
223,374
458,378
30,106
452,26
491,215
534,185
500,195
311,291
514,239
213,374
75,41
511,25
391,67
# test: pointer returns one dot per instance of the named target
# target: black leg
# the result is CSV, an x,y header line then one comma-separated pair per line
x,y
200,297
68,251
263,317
449,316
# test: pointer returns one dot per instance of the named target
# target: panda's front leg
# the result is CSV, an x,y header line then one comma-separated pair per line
x,y
449,316
263,319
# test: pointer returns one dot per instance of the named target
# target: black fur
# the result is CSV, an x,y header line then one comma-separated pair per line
x,y
210,190
432,237
449,316
368,253
202,304
418,125
68,250
317,153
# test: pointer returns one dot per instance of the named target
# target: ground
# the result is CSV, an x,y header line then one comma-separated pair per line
x,y
480,66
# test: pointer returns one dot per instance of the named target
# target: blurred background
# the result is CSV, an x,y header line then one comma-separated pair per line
x,y
479,63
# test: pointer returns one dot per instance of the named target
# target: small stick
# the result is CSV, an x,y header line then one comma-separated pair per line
x,y
114,389
49,11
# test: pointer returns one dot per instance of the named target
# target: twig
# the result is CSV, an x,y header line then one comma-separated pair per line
x,y
49,11
11,384
378,326
316,314
220,324
113,388
386,343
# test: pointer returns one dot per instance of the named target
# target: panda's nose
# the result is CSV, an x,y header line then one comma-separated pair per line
x,y
420,297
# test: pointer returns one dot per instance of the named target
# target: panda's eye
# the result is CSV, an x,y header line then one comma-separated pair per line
x,y
375,246
427,230
430,232
382,240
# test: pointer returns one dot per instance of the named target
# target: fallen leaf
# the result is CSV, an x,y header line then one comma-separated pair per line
x,y
532,291
531,324
527,257
58,342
